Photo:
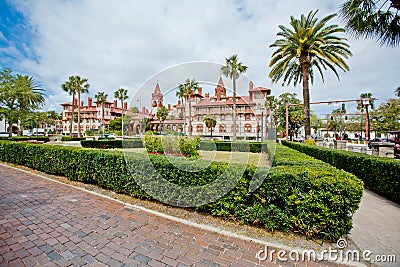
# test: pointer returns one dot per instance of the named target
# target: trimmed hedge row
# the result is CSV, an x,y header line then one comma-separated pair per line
x,y
27,138
109,144
240,146
380,175
310,197
70,138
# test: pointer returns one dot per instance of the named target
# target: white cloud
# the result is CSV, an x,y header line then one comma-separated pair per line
x,y
123,43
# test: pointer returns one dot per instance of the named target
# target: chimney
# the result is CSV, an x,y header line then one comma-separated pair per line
x,y
89,100
75,102
201,91
143,109
115,103
179,102
218,91
81,103
207,95
169,106
250,85
125,105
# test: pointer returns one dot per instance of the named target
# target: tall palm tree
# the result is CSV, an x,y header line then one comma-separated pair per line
x,y
188,88
81,86
181,95
121,94
67,87
311,43
210,121
397,92
232,69
373,19
366,101
101,98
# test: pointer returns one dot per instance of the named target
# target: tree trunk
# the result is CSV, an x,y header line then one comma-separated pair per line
x,y
211,131
305,66
234,106
102,117
72,113
122,117
190,118
79,114
367,135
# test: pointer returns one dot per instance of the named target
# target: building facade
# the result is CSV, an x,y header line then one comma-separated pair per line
x,y
251,122
92,117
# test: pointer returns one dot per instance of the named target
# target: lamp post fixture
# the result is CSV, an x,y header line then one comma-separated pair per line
x,y
262,123
365,102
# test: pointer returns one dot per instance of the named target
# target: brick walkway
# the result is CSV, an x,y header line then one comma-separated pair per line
x,y
44,223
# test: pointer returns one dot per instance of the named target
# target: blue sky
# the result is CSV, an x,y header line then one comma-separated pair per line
x,y
124,43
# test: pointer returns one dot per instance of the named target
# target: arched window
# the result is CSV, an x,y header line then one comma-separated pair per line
x,y
222,128
199,128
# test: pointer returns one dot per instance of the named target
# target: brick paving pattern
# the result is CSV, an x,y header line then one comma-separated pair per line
x,y
44,223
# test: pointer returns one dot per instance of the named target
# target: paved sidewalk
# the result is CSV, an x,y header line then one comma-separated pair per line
x,y
376,227
44,223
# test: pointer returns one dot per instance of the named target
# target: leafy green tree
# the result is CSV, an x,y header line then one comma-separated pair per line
x,y
162,114
310,44
233,69
387,116
210,121
101,98
295,113
373,19
135,109
397,92
116,124
188,89
271,103
19,95
337,123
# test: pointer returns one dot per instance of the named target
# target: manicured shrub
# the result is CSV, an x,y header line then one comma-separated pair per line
x,y
240,146
27,138
310,142
175,145
380,175
309,197
109,144
70,138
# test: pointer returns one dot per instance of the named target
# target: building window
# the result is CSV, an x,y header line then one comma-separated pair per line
x,y
247,117
222,129
222,117
247,128
199,128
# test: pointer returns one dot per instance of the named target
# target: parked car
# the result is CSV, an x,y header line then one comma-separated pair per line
x,y
396,139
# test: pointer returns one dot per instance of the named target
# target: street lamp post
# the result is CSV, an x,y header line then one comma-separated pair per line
x,y
262,123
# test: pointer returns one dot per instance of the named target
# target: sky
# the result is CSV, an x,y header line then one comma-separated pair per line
x,y
134,44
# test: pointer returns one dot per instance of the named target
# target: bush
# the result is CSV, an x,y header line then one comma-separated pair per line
x,y
112,143
27,138
309,197
380,175
310,142
159,144
70,138
253,147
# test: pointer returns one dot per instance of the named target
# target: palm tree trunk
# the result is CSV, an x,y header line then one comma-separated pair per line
x,y
190,118
305,65
79,114
72,113
102,117
234,107
122,117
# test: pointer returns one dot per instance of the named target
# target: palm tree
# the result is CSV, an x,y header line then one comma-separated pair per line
x,y
373,19
397,92
81,86
309,44
187,89
67,87
366,101
121,94
181,95
232,69
210,121
101,98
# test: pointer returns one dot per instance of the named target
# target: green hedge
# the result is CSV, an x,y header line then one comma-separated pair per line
x,y
109,144
241,146
70,138
26,138
380,175
308,197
